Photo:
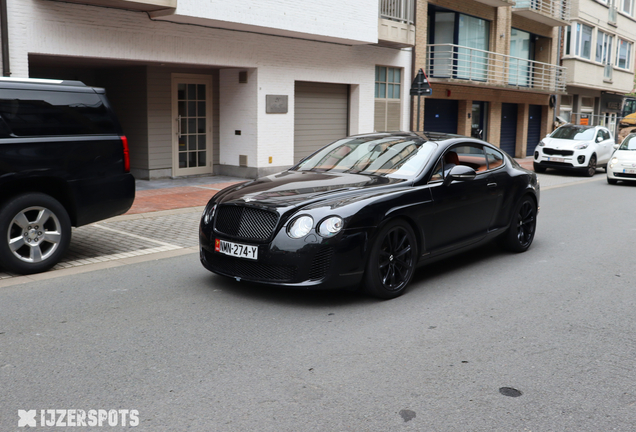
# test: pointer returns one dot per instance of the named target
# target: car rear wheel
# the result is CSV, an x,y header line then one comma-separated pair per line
x,y
391,261
520,234
35,232
591,166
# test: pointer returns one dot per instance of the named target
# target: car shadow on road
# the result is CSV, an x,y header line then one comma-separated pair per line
x,y
330,298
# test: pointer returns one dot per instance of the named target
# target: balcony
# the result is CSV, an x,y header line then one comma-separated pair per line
x,y
136,5
396,26
554,13
463,65
497,3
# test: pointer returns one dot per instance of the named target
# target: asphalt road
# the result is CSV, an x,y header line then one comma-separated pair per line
x,y
193,351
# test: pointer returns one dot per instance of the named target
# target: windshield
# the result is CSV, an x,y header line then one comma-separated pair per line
x,y
629,143
398,157
574,133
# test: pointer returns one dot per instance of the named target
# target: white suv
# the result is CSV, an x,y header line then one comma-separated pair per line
x,y
575,147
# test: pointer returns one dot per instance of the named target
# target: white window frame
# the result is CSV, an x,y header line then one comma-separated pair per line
x,y
630,7
629,52
576,40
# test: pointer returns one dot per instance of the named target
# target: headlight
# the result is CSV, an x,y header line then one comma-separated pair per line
x,y
300,227
581,146
613,161
330,226
541,143
208,214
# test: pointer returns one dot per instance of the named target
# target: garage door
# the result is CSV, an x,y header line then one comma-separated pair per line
x,y
320,116
440,115
534,128
508,137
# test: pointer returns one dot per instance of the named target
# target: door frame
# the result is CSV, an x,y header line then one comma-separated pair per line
x,y
175,79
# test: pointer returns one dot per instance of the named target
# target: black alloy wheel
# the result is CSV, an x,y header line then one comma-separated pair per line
x,y
522,227
392,261
591,166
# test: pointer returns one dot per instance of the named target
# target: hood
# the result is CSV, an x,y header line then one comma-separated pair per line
x,y
625,156
564,144
291,188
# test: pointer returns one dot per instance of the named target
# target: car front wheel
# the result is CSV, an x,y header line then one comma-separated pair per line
x,y
612,181
538,168
520,234
35,232
591,166
391,261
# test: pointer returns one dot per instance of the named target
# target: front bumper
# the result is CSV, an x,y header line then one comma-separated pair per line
x,y
311,262
562,159
619,170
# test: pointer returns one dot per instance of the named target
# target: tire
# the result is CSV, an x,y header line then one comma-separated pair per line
x,y
612,181
391,261
520,234
591,167
35,231
538,168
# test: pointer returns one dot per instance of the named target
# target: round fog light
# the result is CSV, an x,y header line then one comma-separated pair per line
x,y
581,159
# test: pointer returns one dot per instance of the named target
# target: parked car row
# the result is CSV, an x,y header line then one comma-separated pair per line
x,y
586,148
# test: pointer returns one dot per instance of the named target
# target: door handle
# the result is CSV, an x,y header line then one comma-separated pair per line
x,y
492,185
179,126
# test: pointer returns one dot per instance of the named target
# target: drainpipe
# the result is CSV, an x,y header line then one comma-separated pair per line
x,y
4,34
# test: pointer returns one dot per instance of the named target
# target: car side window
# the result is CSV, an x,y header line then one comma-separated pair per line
x,y
606,135
494,157
471,155
50,113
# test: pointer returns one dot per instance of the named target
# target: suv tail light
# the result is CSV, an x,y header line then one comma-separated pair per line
x,y
124,142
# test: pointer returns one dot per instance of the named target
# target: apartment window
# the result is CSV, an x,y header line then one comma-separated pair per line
x,y
583,41
624,54
604,48
388,86
460,45
627,6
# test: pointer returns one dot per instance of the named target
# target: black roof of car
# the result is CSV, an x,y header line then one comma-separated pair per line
x,y
46,84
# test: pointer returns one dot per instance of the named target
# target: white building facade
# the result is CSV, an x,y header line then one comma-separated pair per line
x,y
216,87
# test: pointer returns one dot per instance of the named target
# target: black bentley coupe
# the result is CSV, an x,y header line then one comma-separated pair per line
x,y
367,210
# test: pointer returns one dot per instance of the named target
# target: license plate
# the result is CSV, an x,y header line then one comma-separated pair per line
x,y
236,249
556,159
629,170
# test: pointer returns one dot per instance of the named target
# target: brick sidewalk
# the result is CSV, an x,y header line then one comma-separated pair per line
x,y
153,200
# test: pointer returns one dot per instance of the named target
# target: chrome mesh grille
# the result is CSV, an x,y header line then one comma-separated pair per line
x,y
321,264
246,222
247,269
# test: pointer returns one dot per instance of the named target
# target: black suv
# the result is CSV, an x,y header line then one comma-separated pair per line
x,y
63,162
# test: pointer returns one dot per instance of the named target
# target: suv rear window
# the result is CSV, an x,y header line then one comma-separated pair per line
x,y
41,113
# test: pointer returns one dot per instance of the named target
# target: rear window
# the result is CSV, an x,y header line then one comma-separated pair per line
x,y
41,113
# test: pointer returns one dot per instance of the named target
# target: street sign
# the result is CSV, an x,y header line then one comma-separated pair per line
x,y
421,86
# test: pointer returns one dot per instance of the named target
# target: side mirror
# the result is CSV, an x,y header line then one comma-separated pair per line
x,y
599,139
460,173
616,146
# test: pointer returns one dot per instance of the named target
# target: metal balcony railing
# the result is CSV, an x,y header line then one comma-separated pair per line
x,y
398,10
558,9
463,63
